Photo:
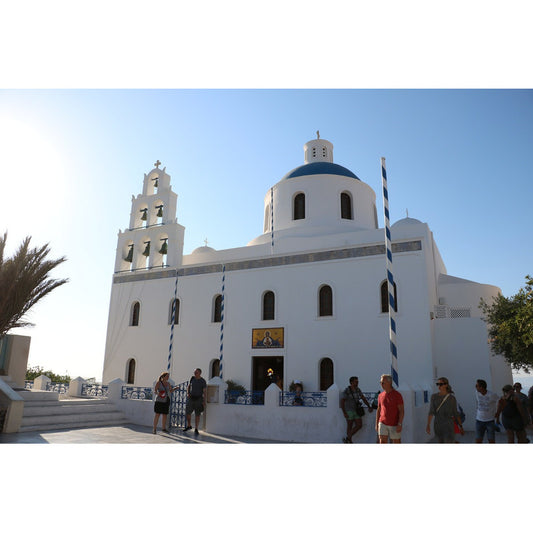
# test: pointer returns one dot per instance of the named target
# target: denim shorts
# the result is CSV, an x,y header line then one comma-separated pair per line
x,y
489,427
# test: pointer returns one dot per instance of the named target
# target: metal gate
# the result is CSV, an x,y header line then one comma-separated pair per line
x,y
178,401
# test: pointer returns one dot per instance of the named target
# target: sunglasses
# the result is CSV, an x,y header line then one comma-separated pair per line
x,y
440,384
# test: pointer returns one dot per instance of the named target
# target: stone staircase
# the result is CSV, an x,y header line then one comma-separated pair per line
x,y
44,411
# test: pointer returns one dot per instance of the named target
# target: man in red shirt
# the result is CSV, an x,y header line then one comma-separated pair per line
x,y
389,415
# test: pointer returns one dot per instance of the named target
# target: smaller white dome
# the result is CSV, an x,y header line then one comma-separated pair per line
x,y
203,250
405,221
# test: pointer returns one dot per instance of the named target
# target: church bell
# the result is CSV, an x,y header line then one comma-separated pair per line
x,y
144,216
129,257
160,211
164,247
146,252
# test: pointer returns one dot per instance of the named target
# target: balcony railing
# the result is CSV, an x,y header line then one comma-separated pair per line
x,y
305,399
94,390
62,388
136,393
244,398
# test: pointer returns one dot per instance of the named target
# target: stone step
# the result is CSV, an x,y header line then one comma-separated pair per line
x,y
72,425
60,408
34,396
92,419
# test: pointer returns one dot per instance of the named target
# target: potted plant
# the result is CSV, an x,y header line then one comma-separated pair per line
x,y
234,390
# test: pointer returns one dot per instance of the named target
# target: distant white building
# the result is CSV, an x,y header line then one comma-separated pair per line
x,y
306,298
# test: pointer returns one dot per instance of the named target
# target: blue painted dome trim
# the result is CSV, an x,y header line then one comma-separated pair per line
x,y
320,168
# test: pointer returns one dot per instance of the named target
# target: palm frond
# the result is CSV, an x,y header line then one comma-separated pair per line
x,y
24,281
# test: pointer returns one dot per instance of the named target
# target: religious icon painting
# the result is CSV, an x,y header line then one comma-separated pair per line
x,y
268,338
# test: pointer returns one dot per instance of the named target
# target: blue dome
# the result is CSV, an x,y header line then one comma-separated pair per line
x,y
320,168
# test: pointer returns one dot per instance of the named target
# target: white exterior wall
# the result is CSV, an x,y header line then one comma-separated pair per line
x,y
355,337
458,292
464,341
463,355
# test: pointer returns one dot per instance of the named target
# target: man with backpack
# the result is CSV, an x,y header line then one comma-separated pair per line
x,y
196,397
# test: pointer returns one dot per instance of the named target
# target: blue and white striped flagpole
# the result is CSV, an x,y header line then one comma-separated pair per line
x,y
220,372
272,218
172,320
390,278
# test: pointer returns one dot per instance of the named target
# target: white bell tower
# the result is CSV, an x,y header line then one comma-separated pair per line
x,y
154,238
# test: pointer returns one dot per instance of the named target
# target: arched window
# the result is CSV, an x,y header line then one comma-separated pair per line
x,y
326,373
346,206
135,314
299,207
215,368
268,305
325,301
130,372
217,308
385,297
177,312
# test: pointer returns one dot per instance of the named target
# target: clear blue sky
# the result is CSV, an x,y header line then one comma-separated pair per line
x,y
456,159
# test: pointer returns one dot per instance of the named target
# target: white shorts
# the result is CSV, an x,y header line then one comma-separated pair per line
x,y
388,431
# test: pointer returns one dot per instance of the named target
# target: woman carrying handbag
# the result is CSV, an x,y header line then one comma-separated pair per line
x,y
443,407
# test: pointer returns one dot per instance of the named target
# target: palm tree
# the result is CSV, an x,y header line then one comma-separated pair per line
x,y
23,282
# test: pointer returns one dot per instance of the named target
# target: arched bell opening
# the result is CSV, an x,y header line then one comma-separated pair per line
x,y
145,261
157,212
141,218
160,253
153,184
128,252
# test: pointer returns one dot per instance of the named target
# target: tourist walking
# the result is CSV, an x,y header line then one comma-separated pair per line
x,y
196,398
390,412
487,403
352,408
162,390
525,402
443,408
513,415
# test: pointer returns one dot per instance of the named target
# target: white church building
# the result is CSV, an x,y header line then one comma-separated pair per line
x,y
307,298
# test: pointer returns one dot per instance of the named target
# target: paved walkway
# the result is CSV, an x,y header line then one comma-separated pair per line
x,y
126,434
135,434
